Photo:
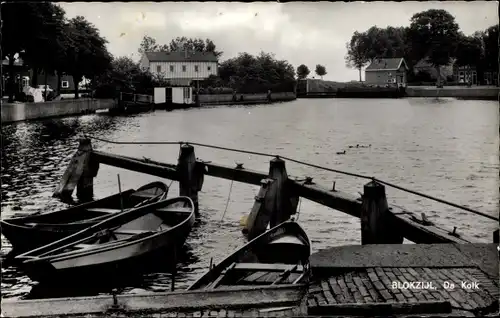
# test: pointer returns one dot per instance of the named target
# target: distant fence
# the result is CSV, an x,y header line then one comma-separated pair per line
x,y
226,98
473,92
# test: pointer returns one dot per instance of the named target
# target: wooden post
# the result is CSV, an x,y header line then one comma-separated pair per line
x,y
259,218
275,202
190,174
376,220
85,187
81,171
283,207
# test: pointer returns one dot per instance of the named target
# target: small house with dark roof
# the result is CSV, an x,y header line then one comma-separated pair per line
x,y
180,67
387,71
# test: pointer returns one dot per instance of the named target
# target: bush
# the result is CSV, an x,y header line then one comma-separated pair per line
x,y
105,91
51,95
21,97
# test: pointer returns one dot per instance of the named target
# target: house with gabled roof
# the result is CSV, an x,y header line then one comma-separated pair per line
x,y
387,71
180,67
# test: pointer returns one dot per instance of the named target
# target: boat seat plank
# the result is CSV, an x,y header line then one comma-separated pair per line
x,y
268,267
85,245
145,195
174,209
103,210
221,277
130,232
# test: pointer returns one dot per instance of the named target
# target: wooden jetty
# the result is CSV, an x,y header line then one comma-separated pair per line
x,y
347,281
277,199
131,103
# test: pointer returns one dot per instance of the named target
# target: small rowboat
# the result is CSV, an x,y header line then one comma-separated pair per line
x,y
29,232
278,256
109,247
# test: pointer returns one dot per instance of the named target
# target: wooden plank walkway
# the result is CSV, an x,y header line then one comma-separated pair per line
x,y
376,285
213,312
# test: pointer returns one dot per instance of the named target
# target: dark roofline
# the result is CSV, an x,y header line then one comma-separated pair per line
x,y
401,60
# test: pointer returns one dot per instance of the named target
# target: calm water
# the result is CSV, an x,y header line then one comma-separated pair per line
x,y
446,148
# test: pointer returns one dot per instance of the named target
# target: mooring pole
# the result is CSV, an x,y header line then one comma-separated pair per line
x,y
284,205
376,221
275,202
190,174
80,174
174,268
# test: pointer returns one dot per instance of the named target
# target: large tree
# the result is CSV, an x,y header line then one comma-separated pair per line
x,y
33,40
303,71
257,74
434,33
320,70
491,52
87,53
357,49
180,43
193,44
469,52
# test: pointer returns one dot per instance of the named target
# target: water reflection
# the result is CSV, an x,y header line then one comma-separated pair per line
x,y
428,145
154,276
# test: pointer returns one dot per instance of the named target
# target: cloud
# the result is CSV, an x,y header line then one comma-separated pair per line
x,y
300,32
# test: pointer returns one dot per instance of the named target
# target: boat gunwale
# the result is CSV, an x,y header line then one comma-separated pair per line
x,y
90,251
219,268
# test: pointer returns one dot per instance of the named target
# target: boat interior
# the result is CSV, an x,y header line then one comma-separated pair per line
x,y
281,261
159,220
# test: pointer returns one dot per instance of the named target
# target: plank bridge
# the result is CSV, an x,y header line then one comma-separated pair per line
x,y
278,197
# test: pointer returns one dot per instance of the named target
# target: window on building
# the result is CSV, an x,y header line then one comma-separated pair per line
x,y
196,68
187,92
64,84
461,77
171,68
183,68
209,68
158,68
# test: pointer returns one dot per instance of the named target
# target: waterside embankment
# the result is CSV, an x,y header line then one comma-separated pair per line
x,y
245,99
13,112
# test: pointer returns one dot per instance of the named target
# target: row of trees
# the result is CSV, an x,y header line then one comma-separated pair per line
x,y
303,71
48,42
149,44
245,73
433,35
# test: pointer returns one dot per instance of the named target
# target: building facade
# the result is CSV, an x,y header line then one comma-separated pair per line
x,y
386,72
24,77
182,67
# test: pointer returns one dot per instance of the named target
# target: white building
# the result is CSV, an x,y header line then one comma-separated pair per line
x,y
180,67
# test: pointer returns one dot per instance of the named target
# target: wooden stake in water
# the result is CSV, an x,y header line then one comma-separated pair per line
x,y
120,191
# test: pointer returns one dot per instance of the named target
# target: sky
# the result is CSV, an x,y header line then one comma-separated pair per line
x,y
307,33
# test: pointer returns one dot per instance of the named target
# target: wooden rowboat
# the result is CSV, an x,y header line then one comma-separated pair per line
x,y
278,256
107,248
29,232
